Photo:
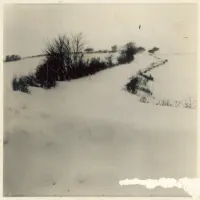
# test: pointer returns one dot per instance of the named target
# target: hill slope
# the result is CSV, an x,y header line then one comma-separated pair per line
x,y
84,136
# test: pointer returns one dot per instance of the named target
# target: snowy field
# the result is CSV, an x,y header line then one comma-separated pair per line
x,y
177,79
86,135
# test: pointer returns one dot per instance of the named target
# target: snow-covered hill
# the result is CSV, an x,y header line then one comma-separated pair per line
x,y
84,136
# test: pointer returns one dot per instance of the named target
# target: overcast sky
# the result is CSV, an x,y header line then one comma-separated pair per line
x,y
164,25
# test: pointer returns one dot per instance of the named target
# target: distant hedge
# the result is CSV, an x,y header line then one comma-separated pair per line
x,y
10,58
153,50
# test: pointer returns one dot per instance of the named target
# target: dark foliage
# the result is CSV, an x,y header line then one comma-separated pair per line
x,y
146,90
20,84
10,58
114,48
153,50
89,50
65,61
149,78
23,82
62,60
140,49
14,83
96,65
132,86
127,53
46,75
109,61
139,83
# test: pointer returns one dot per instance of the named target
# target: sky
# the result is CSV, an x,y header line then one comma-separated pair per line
x,y
26,26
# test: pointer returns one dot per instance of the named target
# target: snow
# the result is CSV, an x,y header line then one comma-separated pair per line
x,y
177,79
21,67
84,136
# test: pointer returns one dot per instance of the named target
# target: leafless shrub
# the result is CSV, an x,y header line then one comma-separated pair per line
x,y
164,102
189,103
144,99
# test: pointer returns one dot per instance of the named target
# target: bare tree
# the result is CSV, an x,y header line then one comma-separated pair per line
x,y
77,44
114,48
58,55
63,55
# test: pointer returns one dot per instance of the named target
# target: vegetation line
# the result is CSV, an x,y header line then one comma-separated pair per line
x,y
64,61
138,85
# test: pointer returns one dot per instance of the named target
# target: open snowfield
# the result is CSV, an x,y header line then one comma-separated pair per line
x,y
177,79
86,135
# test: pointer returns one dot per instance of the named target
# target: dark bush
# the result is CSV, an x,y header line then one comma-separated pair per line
x,y
96,65
54,69
46,75
20,84
114,48
10,58
80,71
139,83
148,78
127,53
63,57
146,90
31,80
109,60
135,84
122,59
15,83
140,49
132,86
153,50
89,50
